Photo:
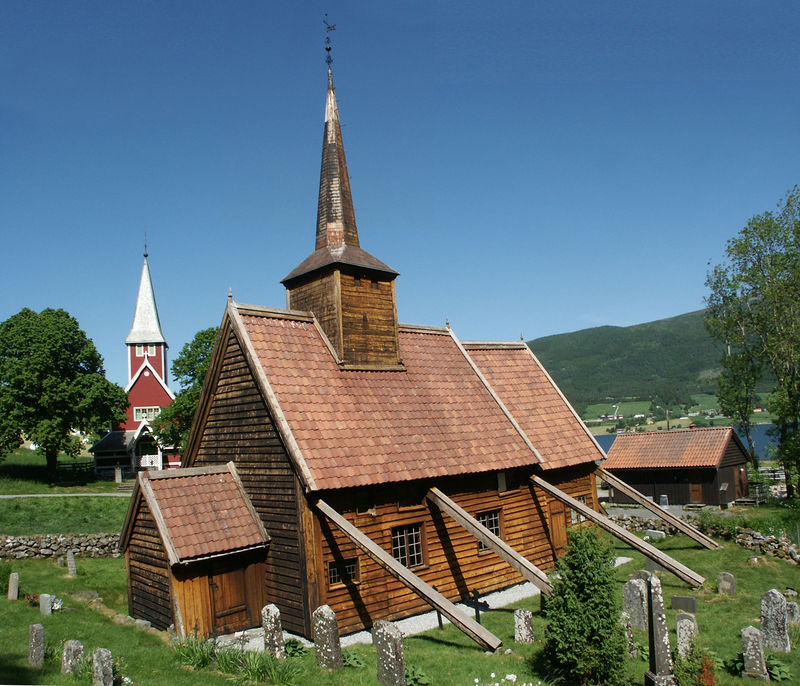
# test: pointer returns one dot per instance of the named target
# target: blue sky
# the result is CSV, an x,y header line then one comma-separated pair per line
x,y
528,168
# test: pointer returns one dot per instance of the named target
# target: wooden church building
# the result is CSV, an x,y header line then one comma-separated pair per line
x,y
130,445
394,467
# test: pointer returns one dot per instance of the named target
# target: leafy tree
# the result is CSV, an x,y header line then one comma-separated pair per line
x,y
189,369
584,640
52,382
754,307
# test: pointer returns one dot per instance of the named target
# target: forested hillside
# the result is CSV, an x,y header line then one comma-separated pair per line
x,y
667,359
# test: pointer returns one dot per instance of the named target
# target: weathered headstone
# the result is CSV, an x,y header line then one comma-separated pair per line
x,y
655,534
663,500
634,602
642,574
687,632
388,641
45,604
102,668
653,566
753,651
71,657
118,475
773,621
273,631
326,638
625,620
36,645
726,583
686,603
13,586
72,570
61,561
792,613
660,672
523,626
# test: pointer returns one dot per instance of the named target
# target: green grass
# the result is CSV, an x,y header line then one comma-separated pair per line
x,y
24,471
65,515
703,402
626,408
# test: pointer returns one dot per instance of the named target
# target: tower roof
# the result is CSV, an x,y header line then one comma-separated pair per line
x,y
146,326
337,233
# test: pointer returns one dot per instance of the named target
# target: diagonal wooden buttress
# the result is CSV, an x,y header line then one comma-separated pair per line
x,y
529,570
667,516
470,627
679,570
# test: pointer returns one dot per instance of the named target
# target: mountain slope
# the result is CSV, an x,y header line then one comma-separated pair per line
x,y
669,357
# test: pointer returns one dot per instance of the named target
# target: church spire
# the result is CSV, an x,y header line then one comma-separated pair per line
x,y
146,326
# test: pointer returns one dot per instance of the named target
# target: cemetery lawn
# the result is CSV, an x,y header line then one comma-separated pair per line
x,y
24,471
62,515
446,657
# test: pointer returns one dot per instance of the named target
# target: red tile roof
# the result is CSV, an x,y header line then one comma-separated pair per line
x,y
534,400
678,448
205,511
353,428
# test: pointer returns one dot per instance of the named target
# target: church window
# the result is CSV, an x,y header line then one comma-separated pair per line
x,y
491,520
407,545
343,571
141,414
142,349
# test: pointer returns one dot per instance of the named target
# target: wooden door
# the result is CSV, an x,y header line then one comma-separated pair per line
x,y
229,608
558,526
696,492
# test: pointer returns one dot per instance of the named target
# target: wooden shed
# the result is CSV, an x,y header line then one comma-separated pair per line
x,y
706,465
195,551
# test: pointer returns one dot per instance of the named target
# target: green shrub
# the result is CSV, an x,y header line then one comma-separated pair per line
x,y
350,659
262,668
695,668
5,572
416,677
195,652
584,641
229,660
294,648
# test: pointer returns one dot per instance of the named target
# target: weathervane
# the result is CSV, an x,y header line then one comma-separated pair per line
x,y
328,29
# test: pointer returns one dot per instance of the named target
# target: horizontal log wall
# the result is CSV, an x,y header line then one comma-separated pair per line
x,y
453,563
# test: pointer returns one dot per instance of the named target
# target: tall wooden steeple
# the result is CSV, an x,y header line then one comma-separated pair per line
x,y
350,292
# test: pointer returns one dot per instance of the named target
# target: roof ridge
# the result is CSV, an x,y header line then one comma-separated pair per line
x,y
276,312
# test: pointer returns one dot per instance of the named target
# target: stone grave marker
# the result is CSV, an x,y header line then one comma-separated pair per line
x,y
753,650
792,613
326,638
663,500
634,602
45,604
388,641
523,626
726,583
625,620
660,672
273,631
13,586
36,645
72,570
686,603
71,657
102,668
653,566
773,621
642,574
655,534
687,632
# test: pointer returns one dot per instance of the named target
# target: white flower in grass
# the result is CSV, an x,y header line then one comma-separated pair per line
x,y
512,678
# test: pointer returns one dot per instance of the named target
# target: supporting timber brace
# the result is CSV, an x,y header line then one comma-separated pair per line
x,y
679,570
529,570
469,626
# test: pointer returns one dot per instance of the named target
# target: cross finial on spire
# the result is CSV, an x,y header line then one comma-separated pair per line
x,y
145,244
328,29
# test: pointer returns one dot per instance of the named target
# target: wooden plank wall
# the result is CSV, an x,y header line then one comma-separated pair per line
x,y
149,585
453,563
322,298
369,322
238,427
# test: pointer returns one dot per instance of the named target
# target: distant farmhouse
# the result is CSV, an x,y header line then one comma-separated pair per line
x,y
394,467
687,465
131,445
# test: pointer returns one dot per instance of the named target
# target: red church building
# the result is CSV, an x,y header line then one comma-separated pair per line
x,y
131,445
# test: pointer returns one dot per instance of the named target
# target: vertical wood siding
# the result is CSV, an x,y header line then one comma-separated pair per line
x,y
369,322
322,298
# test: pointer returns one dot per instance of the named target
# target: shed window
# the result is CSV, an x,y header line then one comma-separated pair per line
x,y
491,520
342,571
407,545
577,517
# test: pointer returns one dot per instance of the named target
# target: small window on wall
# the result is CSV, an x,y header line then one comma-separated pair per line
x,y
576,517
491,520
141,414
342,571
407,545
142,349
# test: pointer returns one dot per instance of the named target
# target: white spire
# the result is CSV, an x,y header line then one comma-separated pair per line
x,y
146,326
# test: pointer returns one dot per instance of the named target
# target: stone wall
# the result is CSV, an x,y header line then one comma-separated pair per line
x,y
57,545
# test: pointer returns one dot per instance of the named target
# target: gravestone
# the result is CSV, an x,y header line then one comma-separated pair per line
x,y
773,621
102,668
273,631
117,475
686,603
36,645
326,638
13,586
792,613
634,602
726,583
660,672
523,626
687,632
642,574
655,534
45,604
625,620
61,561
653,566
388,641
753,651
663,500
71,657
72,570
